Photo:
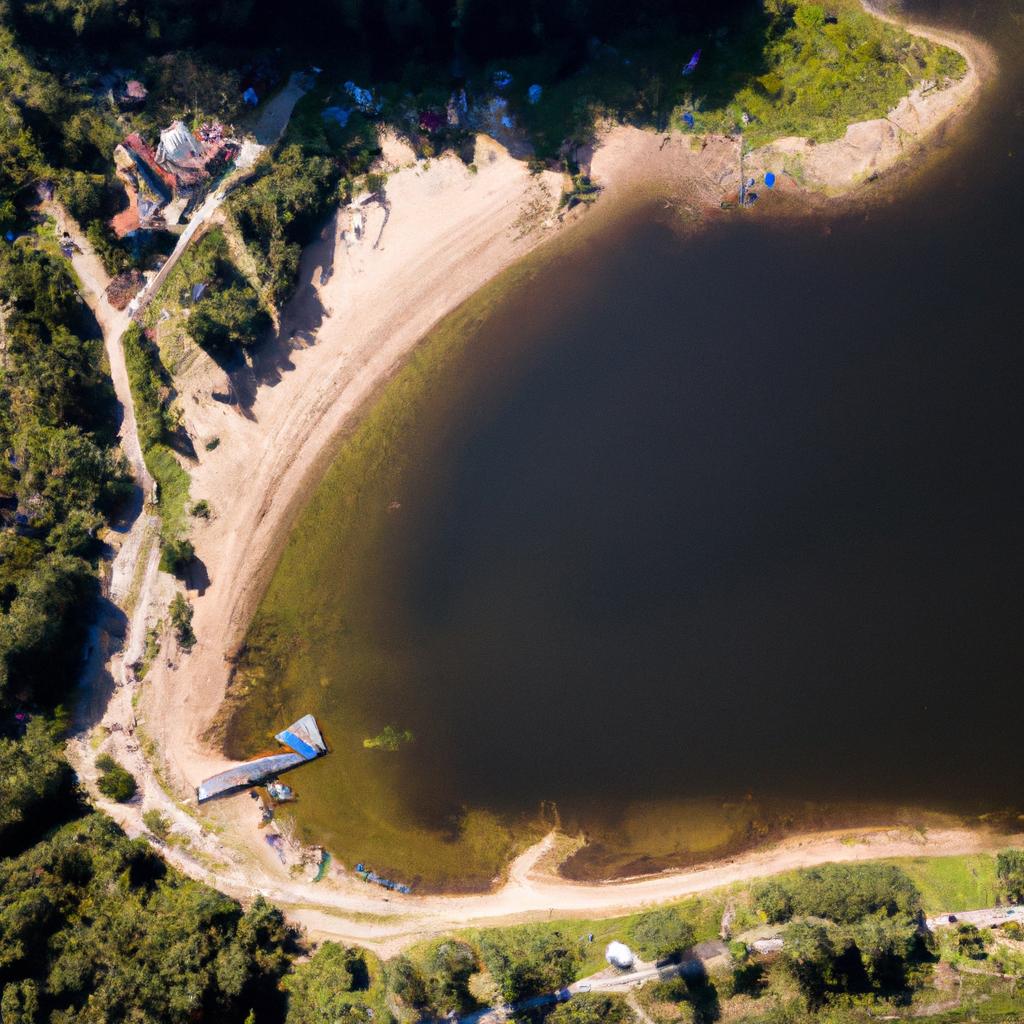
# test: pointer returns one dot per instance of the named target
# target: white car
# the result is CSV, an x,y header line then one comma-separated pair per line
x,y
583,986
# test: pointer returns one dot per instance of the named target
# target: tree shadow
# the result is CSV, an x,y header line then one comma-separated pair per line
x,y
303,315
96,685
197,577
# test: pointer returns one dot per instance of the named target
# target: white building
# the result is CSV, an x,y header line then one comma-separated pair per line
x,y
618,954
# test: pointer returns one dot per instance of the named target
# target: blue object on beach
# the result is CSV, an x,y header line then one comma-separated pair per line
x,y
688,119
769,180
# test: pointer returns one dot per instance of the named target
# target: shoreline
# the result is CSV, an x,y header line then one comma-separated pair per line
x,y
307,394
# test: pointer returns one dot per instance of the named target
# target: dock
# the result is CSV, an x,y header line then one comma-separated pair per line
x,y
305,742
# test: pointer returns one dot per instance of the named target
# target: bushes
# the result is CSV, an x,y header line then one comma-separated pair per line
x,y
152,420
109,932
593,1008
156,425
157,823
528,961
843,893
181,619
31,770
319,990
663,934
1010,872
115,782
280,211
228,317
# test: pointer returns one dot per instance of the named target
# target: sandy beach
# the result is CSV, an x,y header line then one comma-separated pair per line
x,y
367,294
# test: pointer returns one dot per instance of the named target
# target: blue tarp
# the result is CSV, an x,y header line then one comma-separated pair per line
x,y
299,746
692,65
769,180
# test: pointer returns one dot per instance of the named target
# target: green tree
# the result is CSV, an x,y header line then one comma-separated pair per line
x,y
181,619
592,1008
32,769
228,317
809,953
1010,872
450,964
109,932
662,934
406,982
529,961
319,990
115,782
20,1003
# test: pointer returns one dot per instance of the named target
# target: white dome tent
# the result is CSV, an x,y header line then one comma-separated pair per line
x,y
618,954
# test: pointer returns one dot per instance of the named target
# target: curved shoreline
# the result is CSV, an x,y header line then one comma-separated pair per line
x,y
260,474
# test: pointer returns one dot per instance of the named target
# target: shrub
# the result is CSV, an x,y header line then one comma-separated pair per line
x,y
176,556
1010,872
157,823
844,893
115,782
231,316
181,619
663,934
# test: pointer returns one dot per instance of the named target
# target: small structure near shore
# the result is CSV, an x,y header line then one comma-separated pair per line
x,y
619,955
306,743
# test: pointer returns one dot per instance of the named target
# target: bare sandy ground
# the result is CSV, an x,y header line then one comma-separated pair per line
x,y
365,298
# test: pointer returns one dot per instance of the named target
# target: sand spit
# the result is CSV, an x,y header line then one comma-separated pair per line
x,y
370,287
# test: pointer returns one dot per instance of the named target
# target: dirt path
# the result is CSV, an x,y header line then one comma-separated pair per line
x,y
359,311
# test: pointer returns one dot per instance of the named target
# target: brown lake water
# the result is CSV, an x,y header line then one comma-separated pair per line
x,y
701,536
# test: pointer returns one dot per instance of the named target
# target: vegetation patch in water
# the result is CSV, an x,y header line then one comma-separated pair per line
x,y
389,738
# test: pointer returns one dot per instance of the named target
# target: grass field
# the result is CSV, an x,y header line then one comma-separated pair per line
x,y
953,883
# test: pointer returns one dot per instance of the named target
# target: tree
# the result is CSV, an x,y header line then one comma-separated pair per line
x,y
529,961
809,954
181,619
20,1003
450,965
774,901
175,557
109,932
592,1008
970,942
1010,872
115,782
31,770
885,944
406,982
228,317
319,990
663,934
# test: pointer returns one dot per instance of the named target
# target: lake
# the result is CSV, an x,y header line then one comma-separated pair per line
x,y
693,538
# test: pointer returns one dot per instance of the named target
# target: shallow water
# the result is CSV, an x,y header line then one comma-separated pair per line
x,y
703,534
